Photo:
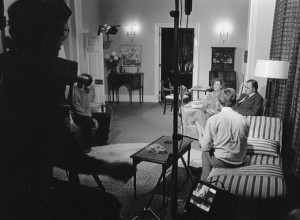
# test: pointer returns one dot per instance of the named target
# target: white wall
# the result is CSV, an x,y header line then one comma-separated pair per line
x,y
261,18
208,13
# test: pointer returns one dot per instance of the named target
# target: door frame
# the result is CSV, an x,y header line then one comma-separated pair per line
x,y
75,38
157,55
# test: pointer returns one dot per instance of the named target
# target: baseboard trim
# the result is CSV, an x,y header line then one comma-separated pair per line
x,y
135,98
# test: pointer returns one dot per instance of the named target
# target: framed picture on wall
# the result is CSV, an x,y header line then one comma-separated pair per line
x,y
131,57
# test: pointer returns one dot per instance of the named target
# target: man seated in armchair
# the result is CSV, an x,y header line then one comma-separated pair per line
x,y
82,97
250,103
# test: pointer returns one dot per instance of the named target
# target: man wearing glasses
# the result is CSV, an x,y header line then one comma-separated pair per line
x,y
33,131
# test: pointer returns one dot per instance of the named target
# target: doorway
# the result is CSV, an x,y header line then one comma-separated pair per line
x,y
188,46
185,55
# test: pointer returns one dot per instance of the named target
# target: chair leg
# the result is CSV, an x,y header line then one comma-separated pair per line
x,y
73,178
165,105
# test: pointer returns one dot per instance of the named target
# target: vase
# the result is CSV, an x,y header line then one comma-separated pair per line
x,y
113,70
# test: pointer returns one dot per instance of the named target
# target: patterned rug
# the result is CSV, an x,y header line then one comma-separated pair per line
x,y
147,177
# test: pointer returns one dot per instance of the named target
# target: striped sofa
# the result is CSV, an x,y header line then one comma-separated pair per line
x,y
260,184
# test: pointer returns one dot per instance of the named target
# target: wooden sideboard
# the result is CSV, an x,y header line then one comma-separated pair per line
x,y
133,81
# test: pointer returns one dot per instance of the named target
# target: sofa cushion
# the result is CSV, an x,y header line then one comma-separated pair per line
x,y
262,127
263,146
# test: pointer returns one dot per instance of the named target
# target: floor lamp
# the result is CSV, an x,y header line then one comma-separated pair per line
x,y
273,69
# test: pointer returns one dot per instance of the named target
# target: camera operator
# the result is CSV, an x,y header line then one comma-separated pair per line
x,y
33,132
83,95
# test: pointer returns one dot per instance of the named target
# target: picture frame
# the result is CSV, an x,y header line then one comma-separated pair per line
x,y
210,201
131,56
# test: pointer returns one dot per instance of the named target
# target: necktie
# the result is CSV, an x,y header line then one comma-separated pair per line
x,y
244,99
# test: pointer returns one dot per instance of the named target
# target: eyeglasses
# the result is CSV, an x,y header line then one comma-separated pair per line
x,y
66,33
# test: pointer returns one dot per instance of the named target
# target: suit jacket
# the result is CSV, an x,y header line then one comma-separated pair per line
x,y
251,106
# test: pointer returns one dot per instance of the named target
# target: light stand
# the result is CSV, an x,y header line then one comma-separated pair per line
x,y
174,177
176,137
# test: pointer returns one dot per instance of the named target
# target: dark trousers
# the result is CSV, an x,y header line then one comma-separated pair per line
x,y
86,125
209,161
102,133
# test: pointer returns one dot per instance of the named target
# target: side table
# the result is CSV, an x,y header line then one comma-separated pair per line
x,y
165,160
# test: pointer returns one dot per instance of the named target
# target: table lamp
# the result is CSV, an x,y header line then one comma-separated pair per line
x,y
273,69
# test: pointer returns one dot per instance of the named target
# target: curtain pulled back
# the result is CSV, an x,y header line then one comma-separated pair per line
x,y
284,95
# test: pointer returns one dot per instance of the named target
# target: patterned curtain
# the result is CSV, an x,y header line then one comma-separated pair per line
x,y
284,95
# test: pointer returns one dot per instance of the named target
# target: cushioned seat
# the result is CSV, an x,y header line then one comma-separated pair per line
x,y
260,183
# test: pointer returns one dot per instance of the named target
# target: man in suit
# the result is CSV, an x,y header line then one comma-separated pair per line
x,y
250,102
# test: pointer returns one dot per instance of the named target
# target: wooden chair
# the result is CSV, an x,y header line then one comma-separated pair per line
x,y
167,95
265,106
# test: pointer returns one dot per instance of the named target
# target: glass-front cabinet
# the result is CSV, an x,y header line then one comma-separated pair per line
x,y
222,66
222,58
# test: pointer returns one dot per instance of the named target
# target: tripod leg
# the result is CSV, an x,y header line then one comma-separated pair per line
x,y
187,169
147,208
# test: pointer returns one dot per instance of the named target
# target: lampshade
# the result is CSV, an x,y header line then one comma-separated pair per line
x,y
272,69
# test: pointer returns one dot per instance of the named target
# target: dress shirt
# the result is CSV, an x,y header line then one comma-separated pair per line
x,y
227,133
246,97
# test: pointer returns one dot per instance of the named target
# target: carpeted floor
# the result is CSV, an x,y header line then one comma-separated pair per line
x,y
147,176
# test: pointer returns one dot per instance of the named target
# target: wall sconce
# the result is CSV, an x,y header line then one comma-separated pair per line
x,y
130,31
223,32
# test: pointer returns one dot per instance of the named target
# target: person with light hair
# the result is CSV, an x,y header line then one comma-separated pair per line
x,y
224,142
